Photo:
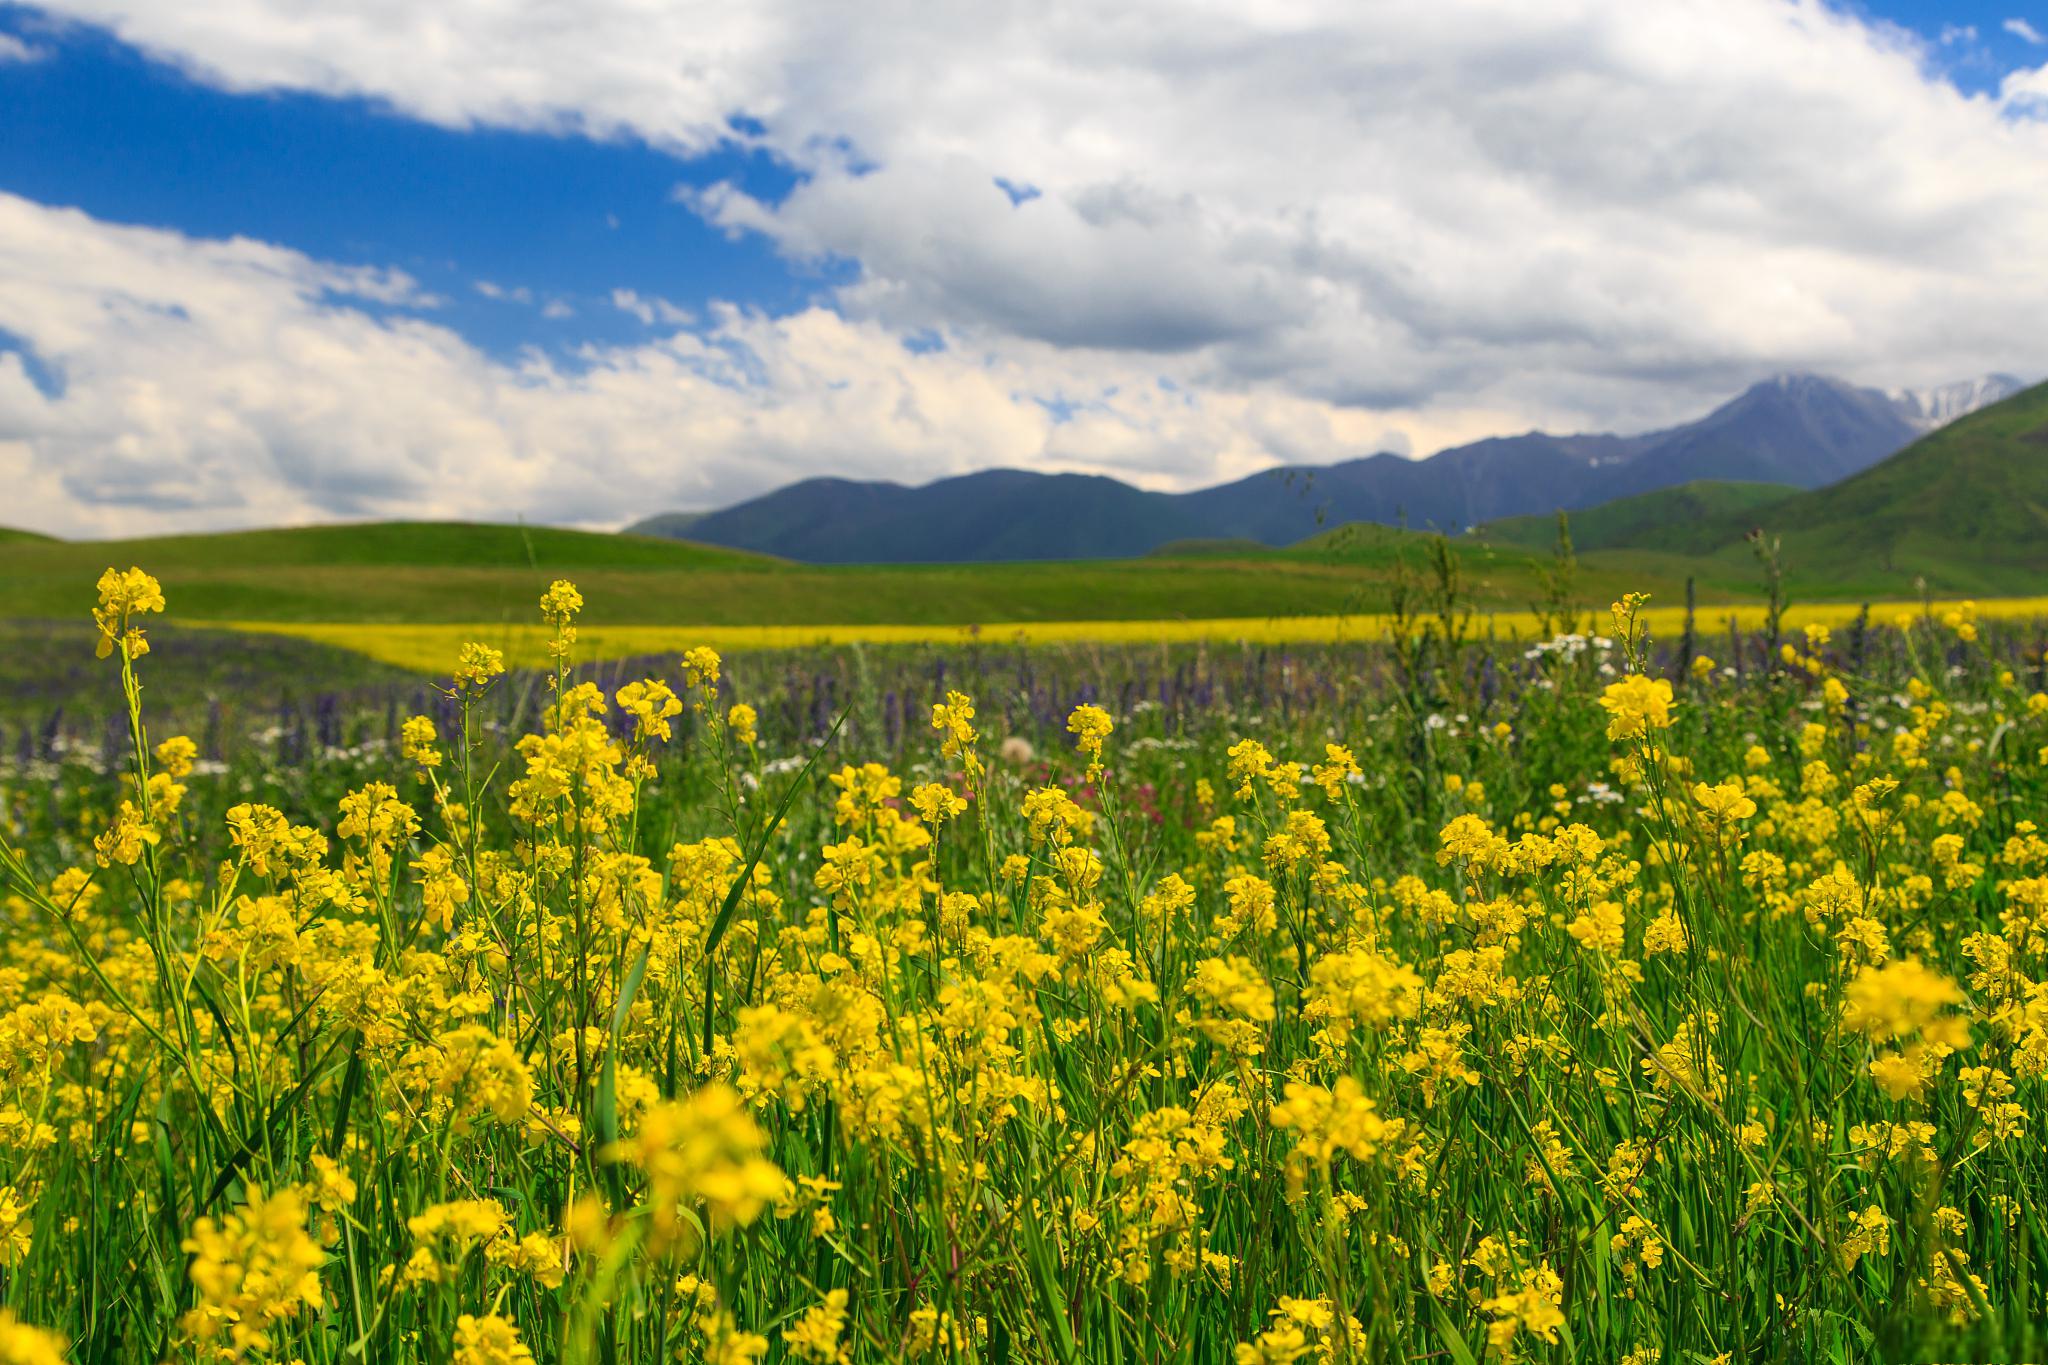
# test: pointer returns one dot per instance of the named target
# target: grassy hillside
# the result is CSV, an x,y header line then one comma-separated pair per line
x,y
1962,511
1370,542
418,544
1965,508
1668,518
380,570
398,572
673,525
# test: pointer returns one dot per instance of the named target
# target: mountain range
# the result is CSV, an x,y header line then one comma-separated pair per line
x,y
1797,430
1962,510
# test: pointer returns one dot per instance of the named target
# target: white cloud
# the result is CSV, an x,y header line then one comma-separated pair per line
x,y
552,309
13,49
201,383
1438,217
651,309
2025,92
1958,33
2026,32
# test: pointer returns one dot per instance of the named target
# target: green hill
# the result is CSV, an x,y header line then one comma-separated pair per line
x,y
1965,508
378,570
674,525
1355,544
1667,519
468,544
1360,542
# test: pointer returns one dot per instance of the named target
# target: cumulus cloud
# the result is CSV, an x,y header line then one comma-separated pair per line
x,y
2025,32
1322,220
161,381
13,49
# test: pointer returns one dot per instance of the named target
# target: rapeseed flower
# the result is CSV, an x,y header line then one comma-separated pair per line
x,y
489,1340
1090,725
702,1151
22,1344
124,596
253,1270
1636,706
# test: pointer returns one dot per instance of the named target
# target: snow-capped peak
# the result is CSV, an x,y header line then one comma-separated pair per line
x,y
1944,403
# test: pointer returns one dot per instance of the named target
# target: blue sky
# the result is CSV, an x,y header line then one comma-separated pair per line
x,y
791,243
97,125
1976,45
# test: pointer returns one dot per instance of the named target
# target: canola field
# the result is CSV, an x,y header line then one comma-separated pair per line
x,y
426,648
1588,1000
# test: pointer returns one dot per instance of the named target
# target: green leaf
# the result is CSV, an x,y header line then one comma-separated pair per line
x,y
608,1079
741,882
1453,1343
256,1141
351,1081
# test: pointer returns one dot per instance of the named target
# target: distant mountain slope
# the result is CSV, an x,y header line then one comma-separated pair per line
x,y
669,525
1797,430
1448,491
1965,507
996,514
1645,520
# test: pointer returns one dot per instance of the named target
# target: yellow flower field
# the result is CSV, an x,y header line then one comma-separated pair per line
x,y
1576,1004
425,648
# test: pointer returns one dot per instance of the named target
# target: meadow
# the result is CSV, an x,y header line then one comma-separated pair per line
x,y
1438,998
462,574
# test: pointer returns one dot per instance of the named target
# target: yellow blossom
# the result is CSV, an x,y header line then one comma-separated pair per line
x,y
252,1270
703,1150
489,1340
1090,725
1636,706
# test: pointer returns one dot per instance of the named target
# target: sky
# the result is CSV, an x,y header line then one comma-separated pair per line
x,y
266,263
